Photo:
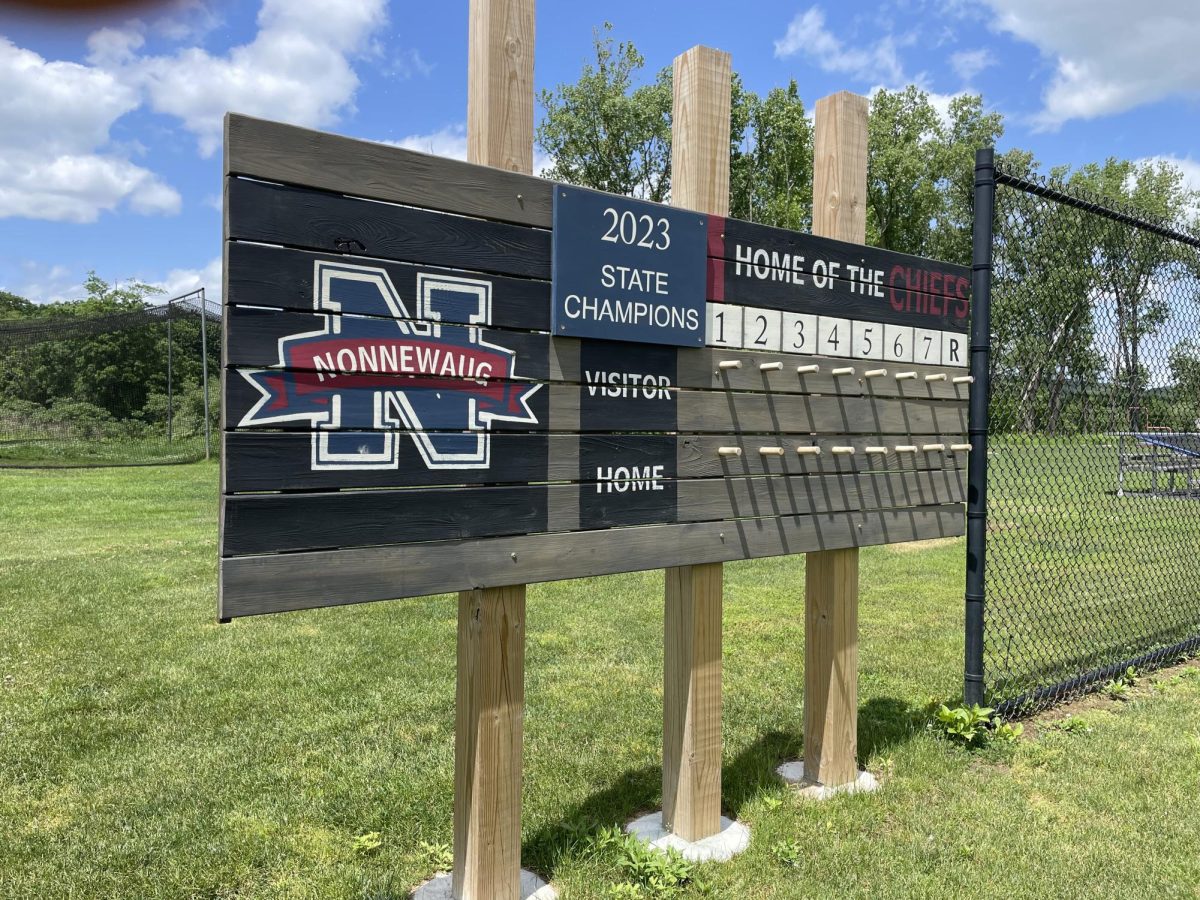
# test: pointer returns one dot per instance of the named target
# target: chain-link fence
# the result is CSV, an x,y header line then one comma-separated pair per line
x,y
1089,517
125,388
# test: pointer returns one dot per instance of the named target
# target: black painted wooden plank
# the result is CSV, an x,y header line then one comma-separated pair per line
x,y
261,461
276,583
282,278
276,152
714,412
266,523
255,334
736,240
258,461
312,220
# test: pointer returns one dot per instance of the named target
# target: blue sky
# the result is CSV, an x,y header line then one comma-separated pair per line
x,y
110,129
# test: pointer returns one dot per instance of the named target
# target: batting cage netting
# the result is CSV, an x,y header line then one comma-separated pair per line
x,y
124,388
1085,528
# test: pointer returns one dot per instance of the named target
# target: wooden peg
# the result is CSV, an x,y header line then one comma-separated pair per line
x,y
770,367
770,451
874,373
931,448
729,364
807,370
876,449
845,370
808,451
963,379
906,448
938,376
844,451
729,451
960,448
905,376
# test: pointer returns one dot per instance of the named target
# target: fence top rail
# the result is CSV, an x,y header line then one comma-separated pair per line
x,y
1103,207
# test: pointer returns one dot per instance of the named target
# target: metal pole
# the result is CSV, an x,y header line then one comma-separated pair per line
x,y
170,362
977,427
204,369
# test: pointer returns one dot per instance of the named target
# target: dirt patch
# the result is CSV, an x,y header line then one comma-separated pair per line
x,y
1098,699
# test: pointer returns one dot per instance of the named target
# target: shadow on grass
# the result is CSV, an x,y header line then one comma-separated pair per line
x,y
883,723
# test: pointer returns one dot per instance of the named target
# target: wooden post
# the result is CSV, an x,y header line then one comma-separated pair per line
x,y
500,85
831,576
489,716
490,710
692,670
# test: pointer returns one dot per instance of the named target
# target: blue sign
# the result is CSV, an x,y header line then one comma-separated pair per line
x,y
627,270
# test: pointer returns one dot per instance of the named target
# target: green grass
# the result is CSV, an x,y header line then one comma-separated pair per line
x,y
42,452
146,751
1077,576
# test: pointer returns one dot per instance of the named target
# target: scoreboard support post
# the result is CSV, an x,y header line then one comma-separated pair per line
x,y
692,658
831,576
490,699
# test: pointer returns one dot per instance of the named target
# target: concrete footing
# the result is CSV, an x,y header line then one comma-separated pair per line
x,y
732,839
439,888
793,773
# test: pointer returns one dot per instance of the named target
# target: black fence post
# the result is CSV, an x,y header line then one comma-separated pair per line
x,y
977,427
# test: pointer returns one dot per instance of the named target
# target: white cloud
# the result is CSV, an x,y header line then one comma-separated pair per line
x,y
184,281
297,69
56,161
874,62
969,63
1108,56
450,141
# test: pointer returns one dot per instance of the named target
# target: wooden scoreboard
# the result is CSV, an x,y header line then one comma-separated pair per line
x,y
441,376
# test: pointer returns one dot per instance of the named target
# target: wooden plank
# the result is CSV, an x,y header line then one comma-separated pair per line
x,y
699,456
714,412
282,278
295,217
253,585
763,259
271,151
488,726
261,461
269,523
254,336
831,576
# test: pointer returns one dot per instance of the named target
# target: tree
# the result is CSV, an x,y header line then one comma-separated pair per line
x,y
604,133
114,370
920,171
14,307
771,170
1134,264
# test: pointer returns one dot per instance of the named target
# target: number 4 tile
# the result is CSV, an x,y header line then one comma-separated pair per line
x,y
833,336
